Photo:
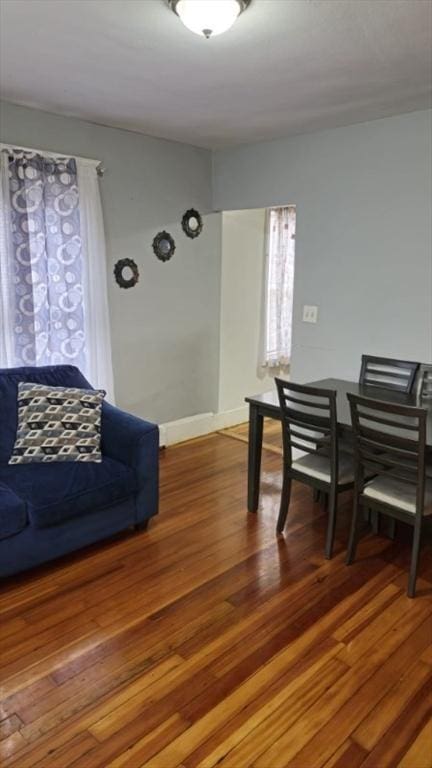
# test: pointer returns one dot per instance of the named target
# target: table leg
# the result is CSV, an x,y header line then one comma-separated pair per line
x,y
256,422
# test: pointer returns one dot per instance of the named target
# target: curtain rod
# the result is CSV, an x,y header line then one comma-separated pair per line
x,y
100,170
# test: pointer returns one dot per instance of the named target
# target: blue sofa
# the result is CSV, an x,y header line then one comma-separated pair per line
x,y
48,510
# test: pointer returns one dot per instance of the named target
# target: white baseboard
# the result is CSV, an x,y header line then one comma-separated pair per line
x,y
226,419
202,424
185,429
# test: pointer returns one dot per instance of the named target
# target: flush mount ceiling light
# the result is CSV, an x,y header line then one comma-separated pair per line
x,y
208,17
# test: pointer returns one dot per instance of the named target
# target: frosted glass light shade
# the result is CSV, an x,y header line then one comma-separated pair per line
x,y
208,17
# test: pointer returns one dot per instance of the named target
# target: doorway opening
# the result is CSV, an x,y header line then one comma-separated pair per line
x,y
257,290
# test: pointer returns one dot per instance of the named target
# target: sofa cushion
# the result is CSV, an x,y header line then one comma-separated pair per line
x,y
57,424
58,492
52,375
13,515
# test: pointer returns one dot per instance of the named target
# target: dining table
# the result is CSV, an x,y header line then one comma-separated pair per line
x,y
267,406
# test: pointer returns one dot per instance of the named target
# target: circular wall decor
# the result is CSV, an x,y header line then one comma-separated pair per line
x,y
192,223
126,273
164,246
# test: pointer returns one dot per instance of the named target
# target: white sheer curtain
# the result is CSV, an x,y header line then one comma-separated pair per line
x,y
96,314
53,283
279,285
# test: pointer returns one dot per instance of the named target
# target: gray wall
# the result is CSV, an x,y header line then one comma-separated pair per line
x,y
363,250
165,331
363,245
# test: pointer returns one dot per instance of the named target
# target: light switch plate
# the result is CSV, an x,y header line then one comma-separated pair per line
x,y
310,314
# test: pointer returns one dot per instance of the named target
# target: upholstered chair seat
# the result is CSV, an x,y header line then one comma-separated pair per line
x,y
398,493
318,466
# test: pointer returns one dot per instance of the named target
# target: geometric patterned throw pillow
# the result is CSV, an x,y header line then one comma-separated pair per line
x,y
57,424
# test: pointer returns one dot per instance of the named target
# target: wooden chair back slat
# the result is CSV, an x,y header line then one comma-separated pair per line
x,y
391,439
376,445
386,422
306,403
307,420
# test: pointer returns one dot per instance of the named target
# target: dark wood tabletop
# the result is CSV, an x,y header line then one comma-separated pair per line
x,y
269,401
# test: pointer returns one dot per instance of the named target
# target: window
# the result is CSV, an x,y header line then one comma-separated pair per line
x,y
280,256
53,299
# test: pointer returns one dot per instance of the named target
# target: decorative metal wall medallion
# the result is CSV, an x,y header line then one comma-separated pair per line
x,y
126,273
164,246
192,223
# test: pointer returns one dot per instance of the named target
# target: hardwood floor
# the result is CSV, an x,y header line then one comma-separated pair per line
x,y
206,641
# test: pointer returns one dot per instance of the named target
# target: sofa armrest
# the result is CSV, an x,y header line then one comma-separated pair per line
x,y
134,442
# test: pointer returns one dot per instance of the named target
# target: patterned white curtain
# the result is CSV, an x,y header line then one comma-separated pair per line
x,y
279,285
52,254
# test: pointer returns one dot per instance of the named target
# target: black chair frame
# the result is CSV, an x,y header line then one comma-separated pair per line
x,y
400,453
311,433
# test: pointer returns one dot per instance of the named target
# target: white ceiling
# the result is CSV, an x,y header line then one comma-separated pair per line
x,y
286,67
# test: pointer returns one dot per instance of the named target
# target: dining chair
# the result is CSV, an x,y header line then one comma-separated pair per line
x,y
424,399
385,373
309,425
424,383
390,446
